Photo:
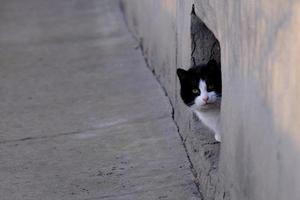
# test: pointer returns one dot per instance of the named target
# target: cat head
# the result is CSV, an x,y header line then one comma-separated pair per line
x,y
201,86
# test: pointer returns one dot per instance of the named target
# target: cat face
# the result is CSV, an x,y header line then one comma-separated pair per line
x,y
201,85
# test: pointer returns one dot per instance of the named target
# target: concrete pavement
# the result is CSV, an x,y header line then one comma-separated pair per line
x,y
81,115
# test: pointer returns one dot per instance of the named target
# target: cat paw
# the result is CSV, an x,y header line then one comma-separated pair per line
x,y
218,137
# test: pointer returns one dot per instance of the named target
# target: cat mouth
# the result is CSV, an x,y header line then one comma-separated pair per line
x,y
205,105
208,106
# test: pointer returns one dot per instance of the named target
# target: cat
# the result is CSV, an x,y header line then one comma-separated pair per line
x,y
201,90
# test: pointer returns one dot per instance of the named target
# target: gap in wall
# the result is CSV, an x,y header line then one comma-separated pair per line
x,y
205,46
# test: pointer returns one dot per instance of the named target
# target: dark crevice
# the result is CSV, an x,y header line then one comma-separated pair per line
x,y
204,47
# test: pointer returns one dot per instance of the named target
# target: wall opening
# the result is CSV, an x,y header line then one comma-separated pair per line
x,y
205,46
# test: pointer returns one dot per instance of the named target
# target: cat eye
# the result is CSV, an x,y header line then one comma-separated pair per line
x,y
210,87
195,91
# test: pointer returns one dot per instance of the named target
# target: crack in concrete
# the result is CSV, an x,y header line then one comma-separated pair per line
x,y
133,121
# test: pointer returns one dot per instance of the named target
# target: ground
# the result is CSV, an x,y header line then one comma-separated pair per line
x,y
82,117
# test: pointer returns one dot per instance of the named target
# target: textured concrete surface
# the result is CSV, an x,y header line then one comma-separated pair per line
x,y
260,44
164,56
81,115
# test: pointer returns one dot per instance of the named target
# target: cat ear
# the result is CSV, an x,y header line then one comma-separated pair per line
x,y
181,73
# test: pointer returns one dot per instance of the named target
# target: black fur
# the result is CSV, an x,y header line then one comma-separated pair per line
x,y
189,80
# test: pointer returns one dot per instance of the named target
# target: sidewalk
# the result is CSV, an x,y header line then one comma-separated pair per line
x,y
81,115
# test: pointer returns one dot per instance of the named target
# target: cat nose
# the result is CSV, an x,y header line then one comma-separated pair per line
x,y
205,99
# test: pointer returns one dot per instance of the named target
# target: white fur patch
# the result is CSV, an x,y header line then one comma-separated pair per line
x,y
207,108
200,100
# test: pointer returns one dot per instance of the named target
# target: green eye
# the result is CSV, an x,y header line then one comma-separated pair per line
x,y
210,87
195,91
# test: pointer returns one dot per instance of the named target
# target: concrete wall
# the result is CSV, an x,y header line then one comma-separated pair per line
x,y
260,43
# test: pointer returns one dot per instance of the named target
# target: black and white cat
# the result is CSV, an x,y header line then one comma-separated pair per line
x,y
201,89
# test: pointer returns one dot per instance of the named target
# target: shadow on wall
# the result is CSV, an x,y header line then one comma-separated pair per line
x,y
205,45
